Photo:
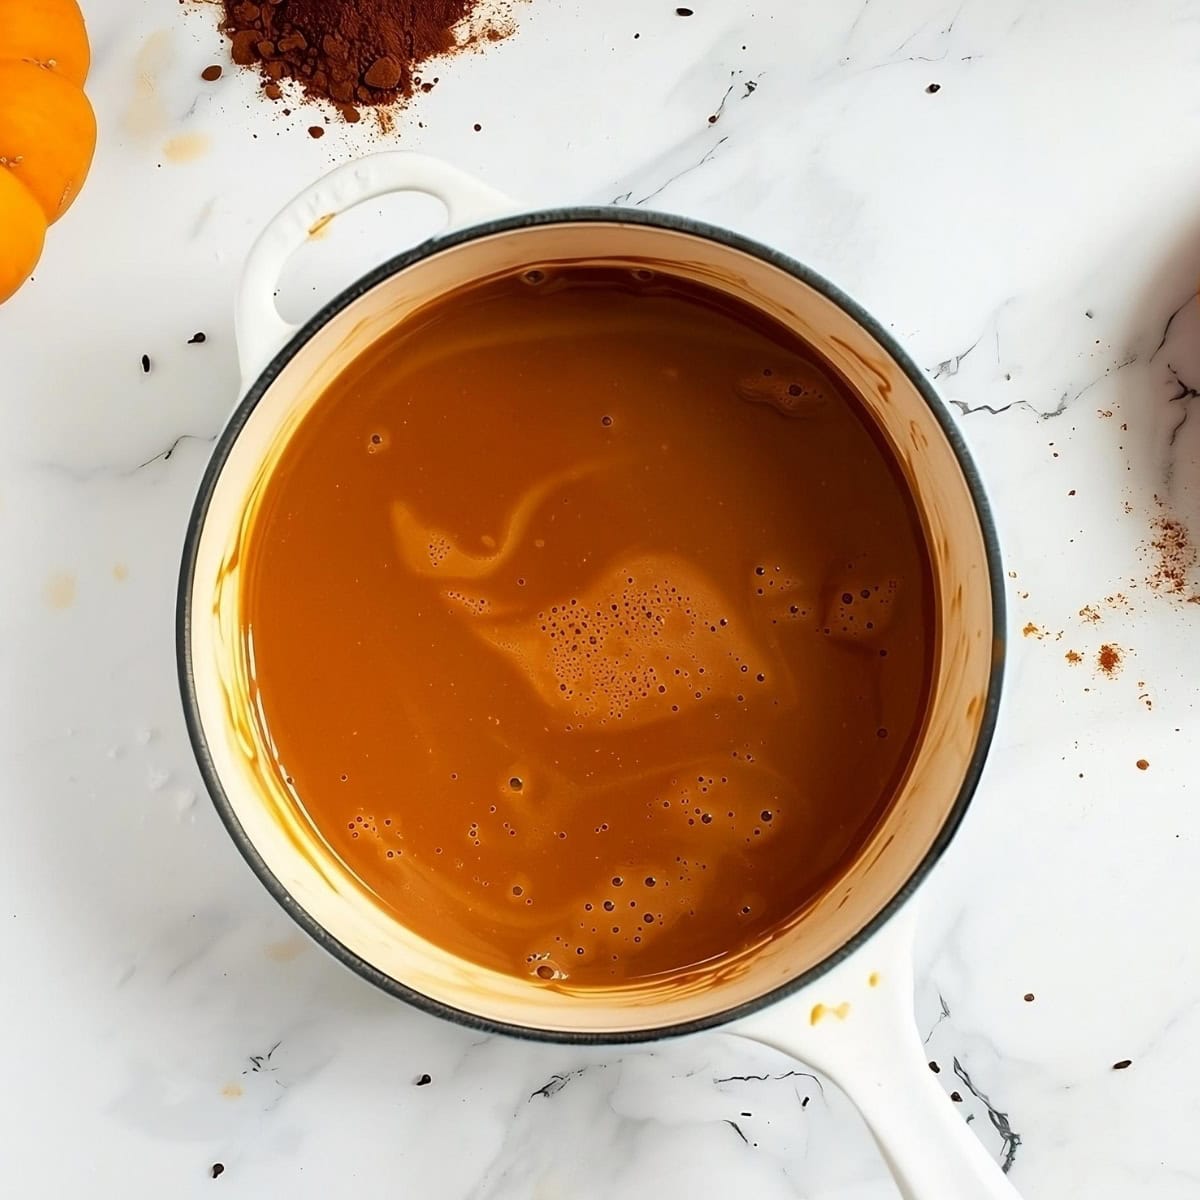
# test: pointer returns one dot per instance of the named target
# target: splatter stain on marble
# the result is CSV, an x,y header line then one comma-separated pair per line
x,y
145,117
186,147
60,590
287,950
320,227
821,1011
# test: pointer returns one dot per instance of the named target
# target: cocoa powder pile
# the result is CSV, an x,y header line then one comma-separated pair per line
x,y
353,52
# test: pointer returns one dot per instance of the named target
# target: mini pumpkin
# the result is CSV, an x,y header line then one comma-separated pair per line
x,y
47,127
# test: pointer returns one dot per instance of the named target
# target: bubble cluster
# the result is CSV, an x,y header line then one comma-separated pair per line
x,y
473,604
646,641
624,914
860,609
739,803
800,389
438,550
386,836
362,824
712,815
781,593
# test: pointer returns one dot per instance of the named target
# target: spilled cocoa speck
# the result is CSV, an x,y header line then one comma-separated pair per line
x,y
216,1170
1108,659
1172,556
1029,997
1089,614
1039,633
1123,1064
424,1080
211,74
1073,657
1143,764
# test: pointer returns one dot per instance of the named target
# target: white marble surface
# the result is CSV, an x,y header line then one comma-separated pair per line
x,y
1031,232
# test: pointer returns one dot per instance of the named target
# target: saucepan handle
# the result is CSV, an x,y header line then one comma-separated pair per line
x,y
261,331
856,1025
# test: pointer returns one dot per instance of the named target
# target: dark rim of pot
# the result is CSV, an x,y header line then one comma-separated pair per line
x,y
270,374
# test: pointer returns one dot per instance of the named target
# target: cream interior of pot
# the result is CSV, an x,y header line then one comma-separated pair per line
x,y
317,881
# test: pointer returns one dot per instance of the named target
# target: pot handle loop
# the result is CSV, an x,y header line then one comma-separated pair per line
x,y
261,331
856,1025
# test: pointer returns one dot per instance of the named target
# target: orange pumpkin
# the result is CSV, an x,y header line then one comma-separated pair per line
x,y
47,128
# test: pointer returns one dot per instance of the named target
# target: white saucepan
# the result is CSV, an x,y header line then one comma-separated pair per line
x,y
835,989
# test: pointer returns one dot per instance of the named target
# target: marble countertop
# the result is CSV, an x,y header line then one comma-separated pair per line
x,y
1013,187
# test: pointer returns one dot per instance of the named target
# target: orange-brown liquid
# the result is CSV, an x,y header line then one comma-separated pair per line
x,y
592,624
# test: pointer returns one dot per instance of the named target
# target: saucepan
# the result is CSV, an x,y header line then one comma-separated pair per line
x,y
835,989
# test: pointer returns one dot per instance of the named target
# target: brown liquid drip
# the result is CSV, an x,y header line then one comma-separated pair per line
x,y
592,624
